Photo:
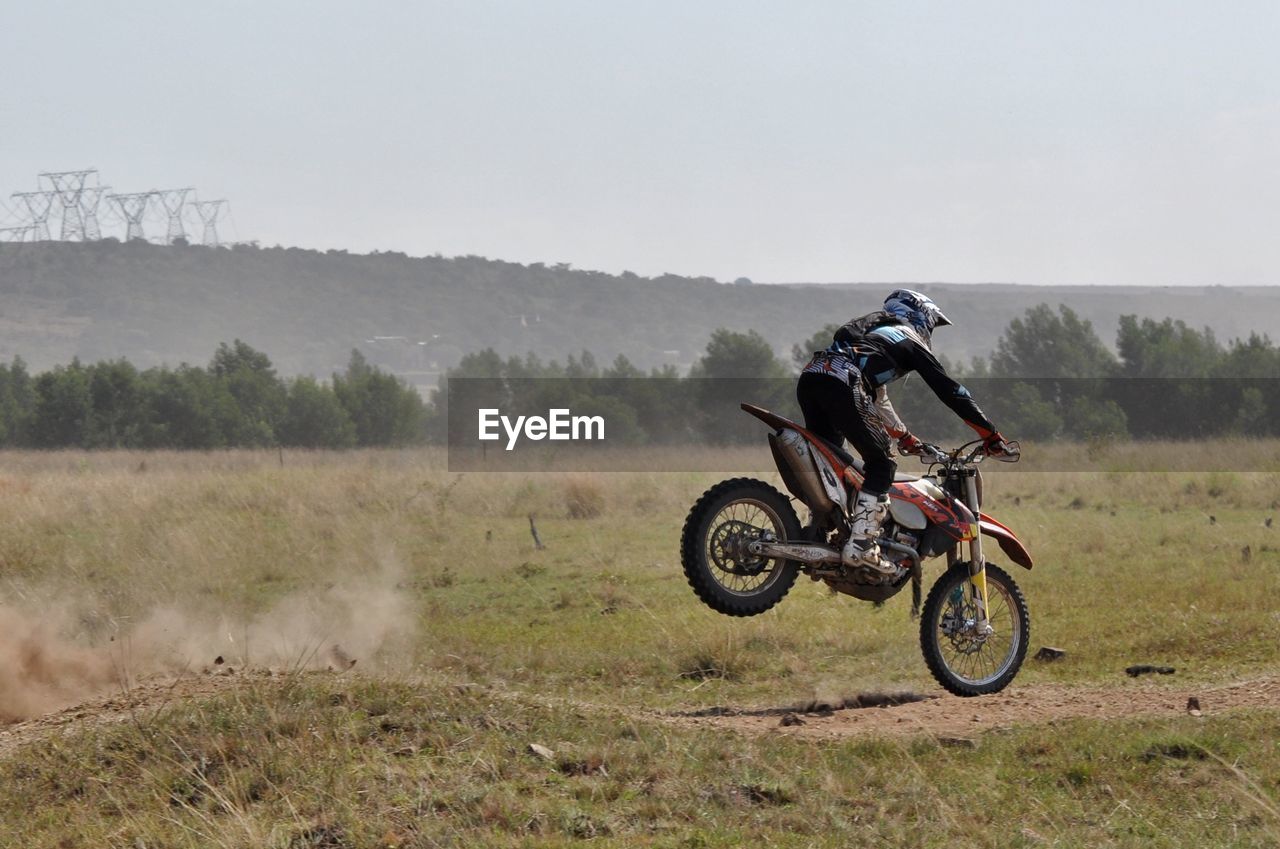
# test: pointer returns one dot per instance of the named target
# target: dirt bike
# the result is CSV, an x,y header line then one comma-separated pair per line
x,y
743,546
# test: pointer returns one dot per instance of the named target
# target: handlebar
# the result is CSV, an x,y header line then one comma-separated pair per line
x,y
932,455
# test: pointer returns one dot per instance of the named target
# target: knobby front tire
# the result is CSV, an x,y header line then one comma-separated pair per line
x,y
960,664
723,519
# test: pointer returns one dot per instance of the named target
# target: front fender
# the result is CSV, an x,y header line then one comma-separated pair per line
x,y
1009,543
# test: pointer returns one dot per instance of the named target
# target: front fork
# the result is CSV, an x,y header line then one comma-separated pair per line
x,y
977,562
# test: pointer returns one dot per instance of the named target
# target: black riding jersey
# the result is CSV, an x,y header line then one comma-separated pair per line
x,y
879,349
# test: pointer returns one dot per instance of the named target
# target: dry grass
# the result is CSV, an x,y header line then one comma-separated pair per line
x,y
162,560
344,763
417,567
584,497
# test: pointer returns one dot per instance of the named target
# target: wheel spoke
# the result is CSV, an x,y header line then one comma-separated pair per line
x,y
971,657
736,525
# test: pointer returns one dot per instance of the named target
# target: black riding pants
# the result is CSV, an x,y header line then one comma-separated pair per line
x,y
835,411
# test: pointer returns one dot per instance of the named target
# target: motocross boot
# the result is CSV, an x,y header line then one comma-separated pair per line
x,y
867,515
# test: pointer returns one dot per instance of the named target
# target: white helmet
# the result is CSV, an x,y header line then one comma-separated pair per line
x,y
918,309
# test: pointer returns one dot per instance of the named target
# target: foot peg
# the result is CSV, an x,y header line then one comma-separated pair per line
x,y
867,553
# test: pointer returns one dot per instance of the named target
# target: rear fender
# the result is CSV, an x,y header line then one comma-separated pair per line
x,y
770,418
1009,542
847,474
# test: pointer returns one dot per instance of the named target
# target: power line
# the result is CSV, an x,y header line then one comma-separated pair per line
x,y
15,234
12,218
76,199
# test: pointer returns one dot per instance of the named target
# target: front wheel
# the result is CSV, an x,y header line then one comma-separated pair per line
x,y
963,660
713,547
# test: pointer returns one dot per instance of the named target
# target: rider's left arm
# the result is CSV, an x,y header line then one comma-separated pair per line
x,y
948,390
884,408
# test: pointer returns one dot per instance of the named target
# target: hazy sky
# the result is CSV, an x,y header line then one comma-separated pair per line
x,y
1064,142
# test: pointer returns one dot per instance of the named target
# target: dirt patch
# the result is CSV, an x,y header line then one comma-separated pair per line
x,y
138,703
862,701
952,720
951,716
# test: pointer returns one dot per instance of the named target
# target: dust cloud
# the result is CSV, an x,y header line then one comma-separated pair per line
x,y
49,661
41,671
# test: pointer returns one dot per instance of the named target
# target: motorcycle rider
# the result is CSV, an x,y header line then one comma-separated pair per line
x,y
842,395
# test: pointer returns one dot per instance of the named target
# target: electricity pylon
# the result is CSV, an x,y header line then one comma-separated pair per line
x,y
69,187
132,207
173,201
209,210
15,234
39,205
89,202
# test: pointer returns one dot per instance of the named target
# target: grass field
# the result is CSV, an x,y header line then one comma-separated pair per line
x,y
470,644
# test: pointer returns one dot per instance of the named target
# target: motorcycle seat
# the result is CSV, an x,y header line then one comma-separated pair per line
x,y
776,421
838,450
856,462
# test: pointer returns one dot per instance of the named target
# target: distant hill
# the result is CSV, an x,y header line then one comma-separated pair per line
x,y
416,315
982,311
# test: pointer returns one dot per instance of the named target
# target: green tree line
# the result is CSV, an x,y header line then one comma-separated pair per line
x,y
1049,377
238,400
1165,379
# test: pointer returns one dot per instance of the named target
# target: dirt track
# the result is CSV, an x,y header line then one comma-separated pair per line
x,y
933,714
138,703
944,715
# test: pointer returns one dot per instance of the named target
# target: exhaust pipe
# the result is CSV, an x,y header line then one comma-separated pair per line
x,y
794,458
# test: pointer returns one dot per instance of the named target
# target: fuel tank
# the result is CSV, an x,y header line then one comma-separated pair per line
x,y
919,502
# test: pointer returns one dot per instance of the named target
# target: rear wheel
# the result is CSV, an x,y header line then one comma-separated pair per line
x,y
713,546
963,660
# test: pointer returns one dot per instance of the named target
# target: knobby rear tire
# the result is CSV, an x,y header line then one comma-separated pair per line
x,y
1006,599
705,576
